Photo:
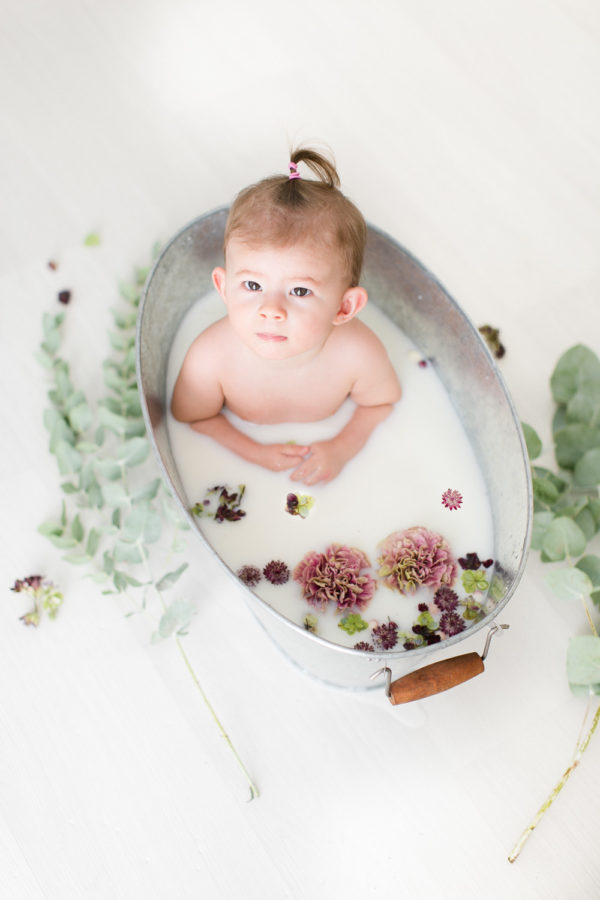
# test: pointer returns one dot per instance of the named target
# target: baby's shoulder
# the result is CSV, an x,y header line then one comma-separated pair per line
x,y
359,338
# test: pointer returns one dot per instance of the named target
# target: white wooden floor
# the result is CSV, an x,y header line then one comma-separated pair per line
x,y
470,132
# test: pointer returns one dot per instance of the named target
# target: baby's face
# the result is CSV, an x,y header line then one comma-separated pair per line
x,y
282,302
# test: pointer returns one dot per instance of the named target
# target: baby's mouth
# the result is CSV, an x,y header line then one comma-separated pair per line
x,y
268,336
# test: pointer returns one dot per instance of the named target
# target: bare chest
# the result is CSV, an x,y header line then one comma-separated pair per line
x,y
267,397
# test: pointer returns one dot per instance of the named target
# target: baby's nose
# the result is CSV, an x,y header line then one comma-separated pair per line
x,y
272,308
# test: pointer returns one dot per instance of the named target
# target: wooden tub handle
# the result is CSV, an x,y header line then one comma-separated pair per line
x,y
435,678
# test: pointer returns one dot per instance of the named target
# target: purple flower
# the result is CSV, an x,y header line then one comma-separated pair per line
x,y
470,561
445,599
337,576
452,499
451,623
416,557
385,636
250,575
362,645
23,584
276,572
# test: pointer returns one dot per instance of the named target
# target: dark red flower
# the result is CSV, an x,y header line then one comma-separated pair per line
x,y
276,572
250,575
445,598
451,623
385,636
362,645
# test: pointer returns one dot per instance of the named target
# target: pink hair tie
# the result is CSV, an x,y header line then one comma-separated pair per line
x,y
294,173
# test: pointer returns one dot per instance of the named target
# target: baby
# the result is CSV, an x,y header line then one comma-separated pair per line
x,y
290,348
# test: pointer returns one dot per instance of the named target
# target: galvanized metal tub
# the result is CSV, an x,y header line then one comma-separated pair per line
x,y
416,301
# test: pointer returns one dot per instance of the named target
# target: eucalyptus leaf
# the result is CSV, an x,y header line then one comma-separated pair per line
x,y
583,664
177,616
115,495
125,552
63,542
591,566
51,528
587,469
134,452
569,584
563,538
109,469
585,520
93,542
68,458
134,524
67,487
80,418
575,368
559,419
152,528
573,441
541,523
545,491
168,580
77,559
120,581
147,492
532,440
77,529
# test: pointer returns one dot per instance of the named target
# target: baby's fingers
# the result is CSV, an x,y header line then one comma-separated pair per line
x,y
294,450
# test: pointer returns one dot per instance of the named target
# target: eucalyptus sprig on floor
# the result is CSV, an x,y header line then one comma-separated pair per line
x,y
117,520
566,524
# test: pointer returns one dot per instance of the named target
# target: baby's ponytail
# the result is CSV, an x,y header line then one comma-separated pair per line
x,y
319,165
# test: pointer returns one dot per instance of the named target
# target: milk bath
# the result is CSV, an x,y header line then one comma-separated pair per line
x,y
394,483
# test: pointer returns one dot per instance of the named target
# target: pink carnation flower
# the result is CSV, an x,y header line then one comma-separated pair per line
x,y
336,576
416,557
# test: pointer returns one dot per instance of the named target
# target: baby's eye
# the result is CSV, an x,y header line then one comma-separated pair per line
x,y
300,292
252,285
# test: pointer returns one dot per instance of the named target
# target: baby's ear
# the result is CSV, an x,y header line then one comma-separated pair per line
x,y
218,277
353,301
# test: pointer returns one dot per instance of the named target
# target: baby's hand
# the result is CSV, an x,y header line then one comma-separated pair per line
x,y
326,460
278,457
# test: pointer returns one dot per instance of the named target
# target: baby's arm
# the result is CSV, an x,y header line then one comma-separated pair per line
x,y
375,392
198,400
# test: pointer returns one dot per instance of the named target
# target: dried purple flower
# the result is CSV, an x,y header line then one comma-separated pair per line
x,y
416,557
451,623
445,599
363,645
470,561
64,296
385,636
409,645
487,563
23,584
250,575
276,572
52,264
423,607
337,576
44,594
452,499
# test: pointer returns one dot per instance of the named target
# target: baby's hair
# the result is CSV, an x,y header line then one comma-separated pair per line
x,y
283,210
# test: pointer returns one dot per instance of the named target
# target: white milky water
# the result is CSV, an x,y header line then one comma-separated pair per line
x,y
394,483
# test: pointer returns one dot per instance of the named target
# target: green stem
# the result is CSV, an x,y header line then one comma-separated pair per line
x,y
580,750
253,789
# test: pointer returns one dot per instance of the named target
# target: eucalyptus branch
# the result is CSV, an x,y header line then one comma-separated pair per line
x,y
115,508
566,519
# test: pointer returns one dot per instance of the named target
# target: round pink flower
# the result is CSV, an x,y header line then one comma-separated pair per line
x,y
416,557
336,576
